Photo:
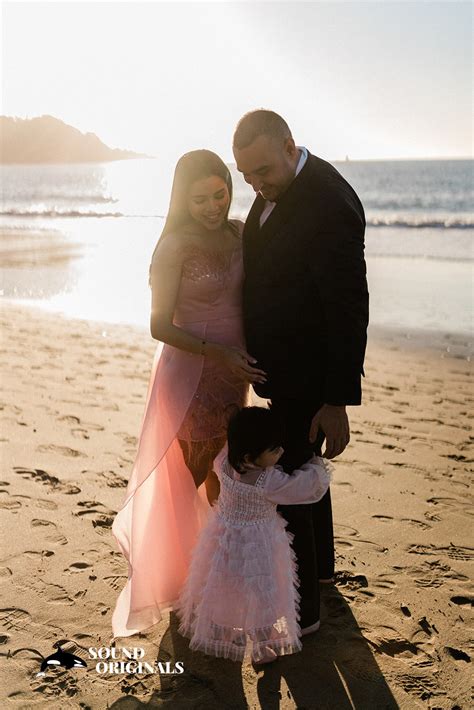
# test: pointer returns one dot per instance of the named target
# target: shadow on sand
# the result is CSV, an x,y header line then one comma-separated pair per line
x,y
336,670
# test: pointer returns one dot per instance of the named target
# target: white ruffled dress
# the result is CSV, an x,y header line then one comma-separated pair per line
x,y
241,591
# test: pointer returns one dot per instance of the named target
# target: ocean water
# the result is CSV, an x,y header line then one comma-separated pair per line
x,y
78,238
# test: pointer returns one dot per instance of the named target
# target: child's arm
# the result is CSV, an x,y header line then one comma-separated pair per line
x,y
307,484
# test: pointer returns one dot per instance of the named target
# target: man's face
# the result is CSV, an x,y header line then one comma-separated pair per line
x,y
268,165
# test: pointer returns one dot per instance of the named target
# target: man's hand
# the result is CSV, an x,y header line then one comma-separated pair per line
x,y
335,425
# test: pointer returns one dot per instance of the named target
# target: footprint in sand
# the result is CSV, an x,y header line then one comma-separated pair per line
x,y
374,471
343,484
372,545
8,502
40,476
455,504
45,504
83,431
80,433
433,574
85,639
345,530
388,641
82,592
78,567
457,654
51,536
392,447
69,419
454,552
457,457
422,686
412,521
14,619
432,516
383,584
128,439
349,583
62,450
116,581
113,480
11,408
53,593
36,553
38,523
352,581
100,515
466,601
416,523
61,684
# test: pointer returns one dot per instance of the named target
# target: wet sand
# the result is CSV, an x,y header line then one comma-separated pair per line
x,y
395,629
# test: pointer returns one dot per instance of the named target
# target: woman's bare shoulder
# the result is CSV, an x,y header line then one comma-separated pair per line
x,y
172,248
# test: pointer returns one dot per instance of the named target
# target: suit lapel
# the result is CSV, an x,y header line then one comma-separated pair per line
x,y
286,206
256,238
250,237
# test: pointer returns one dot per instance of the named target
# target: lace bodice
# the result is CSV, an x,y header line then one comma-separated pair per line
x,y
211,285
241,503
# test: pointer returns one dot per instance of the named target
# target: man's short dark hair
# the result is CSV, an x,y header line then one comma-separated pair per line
x,y
260,123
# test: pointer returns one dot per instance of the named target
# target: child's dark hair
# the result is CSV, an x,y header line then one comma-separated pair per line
x,y
251,431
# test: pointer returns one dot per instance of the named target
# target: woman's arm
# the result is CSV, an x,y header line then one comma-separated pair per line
x,y
165,280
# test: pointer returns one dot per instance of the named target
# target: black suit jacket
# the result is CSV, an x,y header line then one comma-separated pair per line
x,y
305,289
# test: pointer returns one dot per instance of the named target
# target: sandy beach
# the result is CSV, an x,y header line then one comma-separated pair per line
x,y
395,629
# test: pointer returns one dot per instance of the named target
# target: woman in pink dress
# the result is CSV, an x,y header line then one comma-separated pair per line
x,y
199,376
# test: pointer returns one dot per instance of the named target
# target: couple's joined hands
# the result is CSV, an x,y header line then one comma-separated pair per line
x,y
334,423
238,361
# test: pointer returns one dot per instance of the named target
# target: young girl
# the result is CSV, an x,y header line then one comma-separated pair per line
x,y
242,583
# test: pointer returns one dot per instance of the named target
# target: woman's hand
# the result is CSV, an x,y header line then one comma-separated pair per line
x,y
237,360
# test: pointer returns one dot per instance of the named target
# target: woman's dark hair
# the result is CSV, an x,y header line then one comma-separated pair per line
x,y
192,166
250,432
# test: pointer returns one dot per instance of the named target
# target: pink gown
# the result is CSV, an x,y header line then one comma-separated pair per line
x,y
189,398
241,592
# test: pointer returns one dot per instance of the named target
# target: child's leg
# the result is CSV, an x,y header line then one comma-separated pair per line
x,y
268,657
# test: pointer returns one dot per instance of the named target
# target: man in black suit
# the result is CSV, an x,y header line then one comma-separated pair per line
x,y
305,315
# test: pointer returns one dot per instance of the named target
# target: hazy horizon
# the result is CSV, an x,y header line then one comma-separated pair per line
x,y
374,81
231,162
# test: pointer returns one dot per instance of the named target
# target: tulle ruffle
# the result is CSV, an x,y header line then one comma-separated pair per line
x,y
241,593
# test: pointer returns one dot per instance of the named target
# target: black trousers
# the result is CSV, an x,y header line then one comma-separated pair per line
x,y
311,523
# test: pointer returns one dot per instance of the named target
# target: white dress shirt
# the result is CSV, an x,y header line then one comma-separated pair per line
x,y
270,205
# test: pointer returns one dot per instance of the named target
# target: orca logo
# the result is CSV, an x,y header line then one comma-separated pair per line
x,y
61,658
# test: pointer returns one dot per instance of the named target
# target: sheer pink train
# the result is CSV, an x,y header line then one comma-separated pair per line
x,y
189,398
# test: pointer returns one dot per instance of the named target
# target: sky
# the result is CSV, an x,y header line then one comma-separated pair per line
x,y
370,80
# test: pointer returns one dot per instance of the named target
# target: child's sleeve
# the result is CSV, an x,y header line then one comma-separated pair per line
x,y
307,484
